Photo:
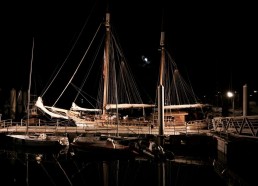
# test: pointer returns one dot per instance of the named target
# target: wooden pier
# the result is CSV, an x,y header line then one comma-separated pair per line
x,y
241,126
111,129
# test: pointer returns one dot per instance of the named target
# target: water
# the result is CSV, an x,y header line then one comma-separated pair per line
x,y
65,167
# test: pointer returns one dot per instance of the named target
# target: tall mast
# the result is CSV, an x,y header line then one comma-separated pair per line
x,y
28,105
106,64
161,88
162,60
162,48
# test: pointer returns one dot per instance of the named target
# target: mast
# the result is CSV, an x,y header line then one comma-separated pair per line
x,y
161,87
106,64
28,105
162,60
106,72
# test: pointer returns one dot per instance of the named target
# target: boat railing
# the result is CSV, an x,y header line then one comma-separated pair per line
x,y
6,123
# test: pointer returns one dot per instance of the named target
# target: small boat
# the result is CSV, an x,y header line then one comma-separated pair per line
x,y
39,140
151,149
103,146
36,140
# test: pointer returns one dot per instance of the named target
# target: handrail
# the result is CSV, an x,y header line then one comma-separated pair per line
x,y
241,125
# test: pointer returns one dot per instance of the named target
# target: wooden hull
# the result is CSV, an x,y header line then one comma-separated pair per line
x,y
98,148
38,141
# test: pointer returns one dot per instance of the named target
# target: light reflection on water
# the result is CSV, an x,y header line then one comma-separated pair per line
x,y
21,167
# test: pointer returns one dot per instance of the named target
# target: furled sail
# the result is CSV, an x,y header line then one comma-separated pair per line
x,y
46,109
197,105
77,108
126,106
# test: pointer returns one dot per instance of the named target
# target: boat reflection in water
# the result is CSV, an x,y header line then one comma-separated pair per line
x,y
65,167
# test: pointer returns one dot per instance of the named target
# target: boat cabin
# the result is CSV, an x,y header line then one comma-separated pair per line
x,y
172,118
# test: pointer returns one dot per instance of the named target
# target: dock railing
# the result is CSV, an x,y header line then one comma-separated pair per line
x,y
137,127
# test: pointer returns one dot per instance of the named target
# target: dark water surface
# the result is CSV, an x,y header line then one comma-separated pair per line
x,y
25,167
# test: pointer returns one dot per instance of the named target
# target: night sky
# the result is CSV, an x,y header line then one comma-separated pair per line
x,y
213,43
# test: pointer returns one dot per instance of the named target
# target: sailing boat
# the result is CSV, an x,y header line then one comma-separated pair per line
x,y
117,97
39,139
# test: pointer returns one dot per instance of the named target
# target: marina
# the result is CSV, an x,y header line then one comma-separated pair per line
x,y
94,123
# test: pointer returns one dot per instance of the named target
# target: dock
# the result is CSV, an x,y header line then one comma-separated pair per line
x,y
240,126
136,129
